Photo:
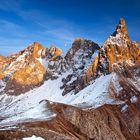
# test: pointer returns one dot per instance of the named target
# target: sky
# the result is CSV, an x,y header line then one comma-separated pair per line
x,y
59,22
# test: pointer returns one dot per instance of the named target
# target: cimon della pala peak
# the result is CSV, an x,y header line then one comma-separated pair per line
x,y
91,93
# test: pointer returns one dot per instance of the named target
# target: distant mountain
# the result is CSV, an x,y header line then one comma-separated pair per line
x,y
91,93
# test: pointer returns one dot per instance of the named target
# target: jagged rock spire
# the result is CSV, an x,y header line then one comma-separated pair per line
x,y
120,37
121,28
119,46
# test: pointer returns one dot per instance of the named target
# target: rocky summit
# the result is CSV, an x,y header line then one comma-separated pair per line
x,y
90,93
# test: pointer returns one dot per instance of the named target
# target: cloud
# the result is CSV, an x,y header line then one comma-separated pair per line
x,y
11,29
39,26
58,29
61,33
13,37
7,25
10,46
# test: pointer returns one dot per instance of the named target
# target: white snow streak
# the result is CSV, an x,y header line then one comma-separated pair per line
x,y
33,138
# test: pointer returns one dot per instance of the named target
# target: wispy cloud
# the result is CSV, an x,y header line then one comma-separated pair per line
x,y
7,25
57,29
13,37
9,46
35,24
12,29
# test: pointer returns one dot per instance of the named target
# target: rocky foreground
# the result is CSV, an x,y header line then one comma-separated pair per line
x,y
91,93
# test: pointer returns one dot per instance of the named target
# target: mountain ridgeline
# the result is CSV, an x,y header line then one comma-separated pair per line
x,y
91,93
87,60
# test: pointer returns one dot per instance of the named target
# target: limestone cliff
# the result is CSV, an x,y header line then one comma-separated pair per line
x,y
119,47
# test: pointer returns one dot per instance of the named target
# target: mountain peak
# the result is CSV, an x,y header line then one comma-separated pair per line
x,y
120,37
119,46
121,28
37,50
81,46
1,57
55,52
122,21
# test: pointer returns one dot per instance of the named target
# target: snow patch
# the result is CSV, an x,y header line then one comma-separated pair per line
x,y
33,138
117,40
115,81
2,85
124,108
20,109
134,99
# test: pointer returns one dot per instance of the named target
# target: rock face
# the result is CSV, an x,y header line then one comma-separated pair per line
x,y
55,52
30,67
3,61
91,93
119,47
24,69
79,58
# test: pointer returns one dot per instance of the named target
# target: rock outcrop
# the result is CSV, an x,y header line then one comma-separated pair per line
x,y
119,48
25,69
79,58
3,61
30,67
55,52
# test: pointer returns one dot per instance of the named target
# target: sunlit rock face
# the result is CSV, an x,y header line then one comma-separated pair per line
x,y
31,71
3,61
55,52
29,68
24,68
118,48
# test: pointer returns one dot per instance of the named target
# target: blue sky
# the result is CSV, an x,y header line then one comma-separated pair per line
x,y
59,22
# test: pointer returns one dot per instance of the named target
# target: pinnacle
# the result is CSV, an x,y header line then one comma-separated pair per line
x,y
121,27
122,22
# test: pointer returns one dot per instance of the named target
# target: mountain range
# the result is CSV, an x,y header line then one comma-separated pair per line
x,y
90,93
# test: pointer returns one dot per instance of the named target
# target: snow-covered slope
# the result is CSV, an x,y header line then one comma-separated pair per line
x,y
31,106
